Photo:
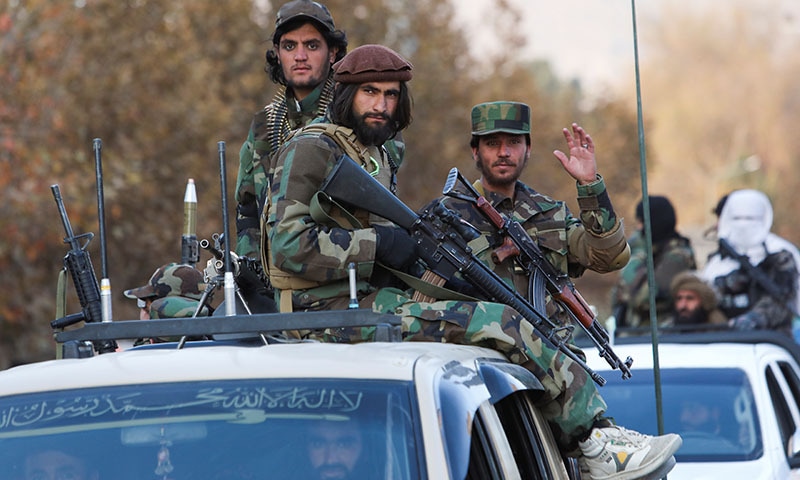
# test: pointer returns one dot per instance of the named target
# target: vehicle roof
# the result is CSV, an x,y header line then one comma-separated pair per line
x,y
385,361
717,349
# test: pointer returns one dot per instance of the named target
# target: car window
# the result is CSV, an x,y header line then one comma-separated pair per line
x,y
524,436
783,413
790,374
219,430
484,464
712,409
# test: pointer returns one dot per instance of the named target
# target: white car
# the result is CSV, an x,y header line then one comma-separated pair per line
x,y
733,397
245,406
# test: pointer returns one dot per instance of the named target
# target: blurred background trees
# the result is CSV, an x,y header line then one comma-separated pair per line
x,y
162,81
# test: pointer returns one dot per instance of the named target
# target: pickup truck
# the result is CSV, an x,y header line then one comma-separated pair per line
x,y
245,403
734,397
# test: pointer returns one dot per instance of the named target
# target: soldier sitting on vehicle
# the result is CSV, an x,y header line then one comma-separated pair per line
x,y
173,291
308,250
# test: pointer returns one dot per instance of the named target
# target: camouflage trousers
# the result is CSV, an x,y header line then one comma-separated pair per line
x,y
570,403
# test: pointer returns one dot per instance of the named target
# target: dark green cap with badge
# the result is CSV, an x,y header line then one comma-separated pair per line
x,y
508,117
303,8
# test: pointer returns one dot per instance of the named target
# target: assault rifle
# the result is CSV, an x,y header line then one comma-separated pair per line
x,y
79,265
441,245
543,276
758,276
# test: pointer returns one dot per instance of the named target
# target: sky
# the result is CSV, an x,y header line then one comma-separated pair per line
x,y
588,39
592,40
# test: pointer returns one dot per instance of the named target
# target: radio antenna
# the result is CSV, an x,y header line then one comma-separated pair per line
x,y
105,283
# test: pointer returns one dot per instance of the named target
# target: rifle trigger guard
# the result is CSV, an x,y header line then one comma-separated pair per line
x,y
561,335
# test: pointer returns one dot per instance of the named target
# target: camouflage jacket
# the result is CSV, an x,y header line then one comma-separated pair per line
x,y
595,241
308,254
749,305
268,130
630,297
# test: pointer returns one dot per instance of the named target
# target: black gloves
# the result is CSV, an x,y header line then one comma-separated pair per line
x,y
394,247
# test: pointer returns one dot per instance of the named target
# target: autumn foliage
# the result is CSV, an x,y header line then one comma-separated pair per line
x,y
161,82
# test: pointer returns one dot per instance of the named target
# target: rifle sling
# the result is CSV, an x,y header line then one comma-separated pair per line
x,y
434,291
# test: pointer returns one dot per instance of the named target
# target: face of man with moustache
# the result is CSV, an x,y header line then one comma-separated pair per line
x,y
305,59
501,157
689,307
334,449
374,107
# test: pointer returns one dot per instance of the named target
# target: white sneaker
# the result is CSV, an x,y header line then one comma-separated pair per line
x,y
616,453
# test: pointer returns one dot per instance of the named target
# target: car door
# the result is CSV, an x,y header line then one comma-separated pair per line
x,y
535,451
783,382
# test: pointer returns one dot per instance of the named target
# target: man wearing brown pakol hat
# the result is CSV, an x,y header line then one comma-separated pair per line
x,y
306,259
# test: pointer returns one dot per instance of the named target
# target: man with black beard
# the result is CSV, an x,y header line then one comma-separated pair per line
x,y
694,302
306,251
334,450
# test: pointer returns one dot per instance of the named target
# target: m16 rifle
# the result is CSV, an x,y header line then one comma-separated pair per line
x,y
79,266
543,276
442,247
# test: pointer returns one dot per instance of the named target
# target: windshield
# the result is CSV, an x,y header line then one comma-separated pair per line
x,y
712,409
242,429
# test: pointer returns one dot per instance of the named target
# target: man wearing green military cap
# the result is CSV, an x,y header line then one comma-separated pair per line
x,y
508,117
501,148
173,291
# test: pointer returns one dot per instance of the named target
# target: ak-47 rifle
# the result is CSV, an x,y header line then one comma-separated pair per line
x,y
543,276
79,265
758,276
441,245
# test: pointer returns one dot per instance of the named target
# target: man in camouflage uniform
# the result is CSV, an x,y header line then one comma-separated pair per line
x,y
303,257
672,254
745,222
310,245
501,147
173,291
305,45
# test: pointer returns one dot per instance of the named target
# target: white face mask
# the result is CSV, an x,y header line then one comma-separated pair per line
x,y
746,219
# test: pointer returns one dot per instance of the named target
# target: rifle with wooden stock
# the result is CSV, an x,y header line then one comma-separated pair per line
x,y
439,234
543,276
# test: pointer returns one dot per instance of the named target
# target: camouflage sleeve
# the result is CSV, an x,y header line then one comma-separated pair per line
x,y
597,241
244,178
298,244
248,233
